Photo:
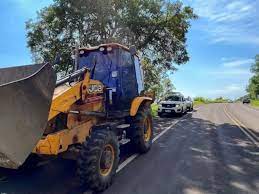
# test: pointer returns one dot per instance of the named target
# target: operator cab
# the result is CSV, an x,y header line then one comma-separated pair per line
x,y
118,69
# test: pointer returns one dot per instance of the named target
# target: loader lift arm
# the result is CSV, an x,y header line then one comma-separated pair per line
x,y
64,101
65,96
29,100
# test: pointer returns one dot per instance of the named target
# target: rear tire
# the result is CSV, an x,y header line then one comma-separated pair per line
x,y
142,130
98,160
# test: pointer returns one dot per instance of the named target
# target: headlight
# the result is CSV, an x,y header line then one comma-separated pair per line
x,y
177,105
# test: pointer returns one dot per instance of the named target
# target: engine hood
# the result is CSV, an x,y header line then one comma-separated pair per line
x,y
170,102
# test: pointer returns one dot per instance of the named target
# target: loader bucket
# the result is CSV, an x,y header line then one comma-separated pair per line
x,y
25,98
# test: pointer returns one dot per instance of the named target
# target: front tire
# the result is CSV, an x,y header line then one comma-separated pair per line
x,y
142,130
98,160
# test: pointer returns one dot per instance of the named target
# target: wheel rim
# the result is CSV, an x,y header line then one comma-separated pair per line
x,y
147,129
107,160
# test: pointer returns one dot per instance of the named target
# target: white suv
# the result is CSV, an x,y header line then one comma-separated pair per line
x,y
189,103
174,104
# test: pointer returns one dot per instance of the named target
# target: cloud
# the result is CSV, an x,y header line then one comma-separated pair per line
x,y
232,91
229,21
231,72
227,89
232,67
238,63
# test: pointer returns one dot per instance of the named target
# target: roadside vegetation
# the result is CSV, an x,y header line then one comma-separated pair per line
x,y
154,109
255,103
201,100
253,86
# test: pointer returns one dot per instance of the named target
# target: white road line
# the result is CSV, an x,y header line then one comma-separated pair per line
x,y
164,131
134,156
126,162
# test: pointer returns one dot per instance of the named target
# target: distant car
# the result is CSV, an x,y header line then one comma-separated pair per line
x,y
173,104
246,101
189,103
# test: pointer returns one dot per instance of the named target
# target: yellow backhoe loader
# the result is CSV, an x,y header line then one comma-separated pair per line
x,y
86,115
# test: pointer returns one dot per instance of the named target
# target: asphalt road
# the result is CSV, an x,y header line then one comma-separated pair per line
x,y
204,152
247,115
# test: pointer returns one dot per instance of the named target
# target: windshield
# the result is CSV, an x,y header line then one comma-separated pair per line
x,y
173,98
104,62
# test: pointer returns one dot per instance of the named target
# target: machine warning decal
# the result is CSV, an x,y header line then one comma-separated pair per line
x,y
95,88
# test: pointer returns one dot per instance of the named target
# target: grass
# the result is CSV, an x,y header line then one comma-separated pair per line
x,y
154,108
255,103
197,103
200,101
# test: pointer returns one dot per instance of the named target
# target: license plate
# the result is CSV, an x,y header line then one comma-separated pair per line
x,y
167,110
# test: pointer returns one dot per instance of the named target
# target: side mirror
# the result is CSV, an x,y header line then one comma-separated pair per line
x,y
133,50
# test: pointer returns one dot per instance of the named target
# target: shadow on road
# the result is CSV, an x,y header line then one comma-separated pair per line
x,y
57,176
198,156
222,159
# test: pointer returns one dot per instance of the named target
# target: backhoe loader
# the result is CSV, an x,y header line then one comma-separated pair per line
x,y
85,115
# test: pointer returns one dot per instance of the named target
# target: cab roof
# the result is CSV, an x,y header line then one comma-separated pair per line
x,y
113,45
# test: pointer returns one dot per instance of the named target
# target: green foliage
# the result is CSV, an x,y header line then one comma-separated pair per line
x,y
156,27
167,86
255,103
197,103
156,80
220,100
255,66
154,109
202,100
253,87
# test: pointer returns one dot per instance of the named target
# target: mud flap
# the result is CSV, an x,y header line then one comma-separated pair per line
x,y
25,97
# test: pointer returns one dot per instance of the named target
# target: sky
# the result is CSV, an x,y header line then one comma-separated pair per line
x,y
222,44
13,15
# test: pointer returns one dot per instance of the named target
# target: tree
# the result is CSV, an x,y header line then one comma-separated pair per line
x,y
168,88
158,28
255,66
253,86
156,81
